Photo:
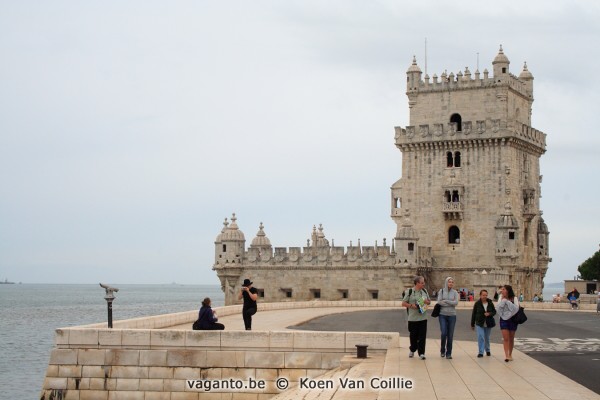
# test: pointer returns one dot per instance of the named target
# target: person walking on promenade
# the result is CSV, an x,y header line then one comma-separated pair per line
x,y
207,318
416,300
482,318
447,298
507,307
249,294
598,302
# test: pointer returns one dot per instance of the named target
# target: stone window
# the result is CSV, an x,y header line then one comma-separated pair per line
x,y
511,235
411,247
453,160
455,196
261,292
448,196
457,159
374,294
224,248
316,293
454,235
458,119
288,293
343,293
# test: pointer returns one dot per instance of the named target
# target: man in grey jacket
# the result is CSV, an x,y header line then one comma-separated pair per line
x,y
448,299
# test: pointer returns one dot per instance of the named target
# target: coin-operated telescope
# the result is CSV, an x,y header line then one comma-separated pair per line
x,y
109,297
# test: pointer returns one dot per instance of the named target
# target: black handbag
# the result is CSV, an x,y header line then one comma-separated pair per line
x,y
436,310
519,317
490,322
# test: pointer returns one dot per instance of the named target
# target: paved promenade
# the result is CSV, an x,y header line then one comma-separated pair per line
x,y
463,377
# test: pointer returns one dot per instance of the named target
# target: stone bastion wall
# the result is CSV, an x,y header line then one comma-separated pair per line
x,y
141,359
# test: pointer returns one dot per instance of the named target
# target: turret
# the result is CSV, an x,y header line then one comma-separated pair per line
x,y
413,78
543,240
507,229
406,242
527,79
500,65
230,244
261,241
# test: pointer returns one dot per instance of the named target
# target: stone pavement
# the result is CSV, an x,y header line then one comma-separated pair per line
x,y
463,377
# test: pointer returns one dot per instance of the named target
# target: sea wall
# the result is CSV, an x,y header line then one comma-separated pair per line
x,y
93,362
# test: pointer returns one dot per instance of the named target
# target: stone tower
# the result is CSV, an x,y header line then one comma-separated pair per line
x,y
471,179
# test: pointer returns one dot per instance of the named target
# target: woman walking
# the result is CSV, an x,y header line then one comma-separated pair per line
x,y
207,318
508,306
448,299
482,318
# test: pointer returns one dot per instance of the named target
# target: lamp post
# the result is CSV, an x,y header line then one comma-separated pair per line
x,y
109,299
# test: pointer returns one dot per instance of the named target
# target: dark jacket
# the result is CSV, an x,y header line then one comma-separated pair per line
x,y
477,316
206,318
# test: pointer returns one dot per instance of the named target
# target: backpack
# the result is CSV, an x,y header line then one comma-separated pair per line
x,y
409,293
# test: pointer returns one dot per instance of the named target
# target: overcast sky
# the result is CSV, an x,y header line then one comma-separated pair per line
x,y
130,130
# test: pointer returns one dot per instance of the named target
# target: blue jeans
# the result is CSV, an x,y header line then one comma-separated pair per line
x,y
447,323
483,338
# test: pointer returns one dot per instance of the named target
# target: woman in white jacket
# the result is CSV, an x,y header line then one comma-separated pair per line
x,y
507,307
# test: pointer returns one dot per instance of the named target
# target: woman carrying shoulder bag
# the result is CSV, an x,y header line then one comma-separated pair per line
x,y
482,317
507,307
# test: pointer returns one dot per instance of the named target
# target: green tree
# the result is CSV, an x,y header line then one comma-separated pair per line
x,y
590,268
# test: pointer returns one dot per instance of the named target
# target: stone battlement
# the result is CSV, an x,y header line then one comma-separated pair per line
x,y
490,128
464,81
313,255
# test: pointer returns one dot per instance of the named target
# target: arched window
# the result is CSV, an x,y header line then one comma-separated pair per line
x,y
411,247
457,118
454,235
447,195
224,248
457,159
450,160
455,196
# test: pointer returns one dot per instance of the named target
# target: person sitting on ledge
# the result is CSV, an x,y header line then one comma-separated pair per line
x,y
207,318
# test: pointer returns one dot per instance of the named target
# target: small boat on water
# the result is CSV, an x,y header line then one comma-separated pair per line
x,y
6,282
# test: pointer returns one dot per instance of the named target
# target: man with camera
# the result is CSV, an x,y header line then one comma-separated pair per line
x,y
249,294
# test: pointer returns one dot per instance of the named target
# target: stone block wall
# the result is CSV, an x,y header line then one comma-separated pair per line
x,y
111,364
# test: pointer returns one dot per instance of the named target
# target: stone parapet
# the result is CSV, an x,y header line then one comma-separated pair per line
x,y
470,130
93,362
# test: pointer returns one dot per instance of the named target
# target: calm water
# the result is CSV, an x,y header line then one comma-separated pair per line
x,y
29,314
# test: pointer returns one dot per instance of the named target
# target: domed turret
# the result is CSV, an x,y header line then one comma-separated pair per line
x,y
527,78
525,74
543,239
542,227
261,239
318,238
413,78
406,242
507,219
507,229
500,64
406,230
232,232
229,244
220,235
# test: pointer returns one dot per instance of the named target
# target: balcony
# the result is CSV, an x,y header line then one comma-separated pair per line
x,y
452,210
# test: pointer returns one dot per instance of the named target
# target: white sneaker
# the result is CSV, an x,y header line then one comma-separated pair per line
x,y
411,354
422,356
